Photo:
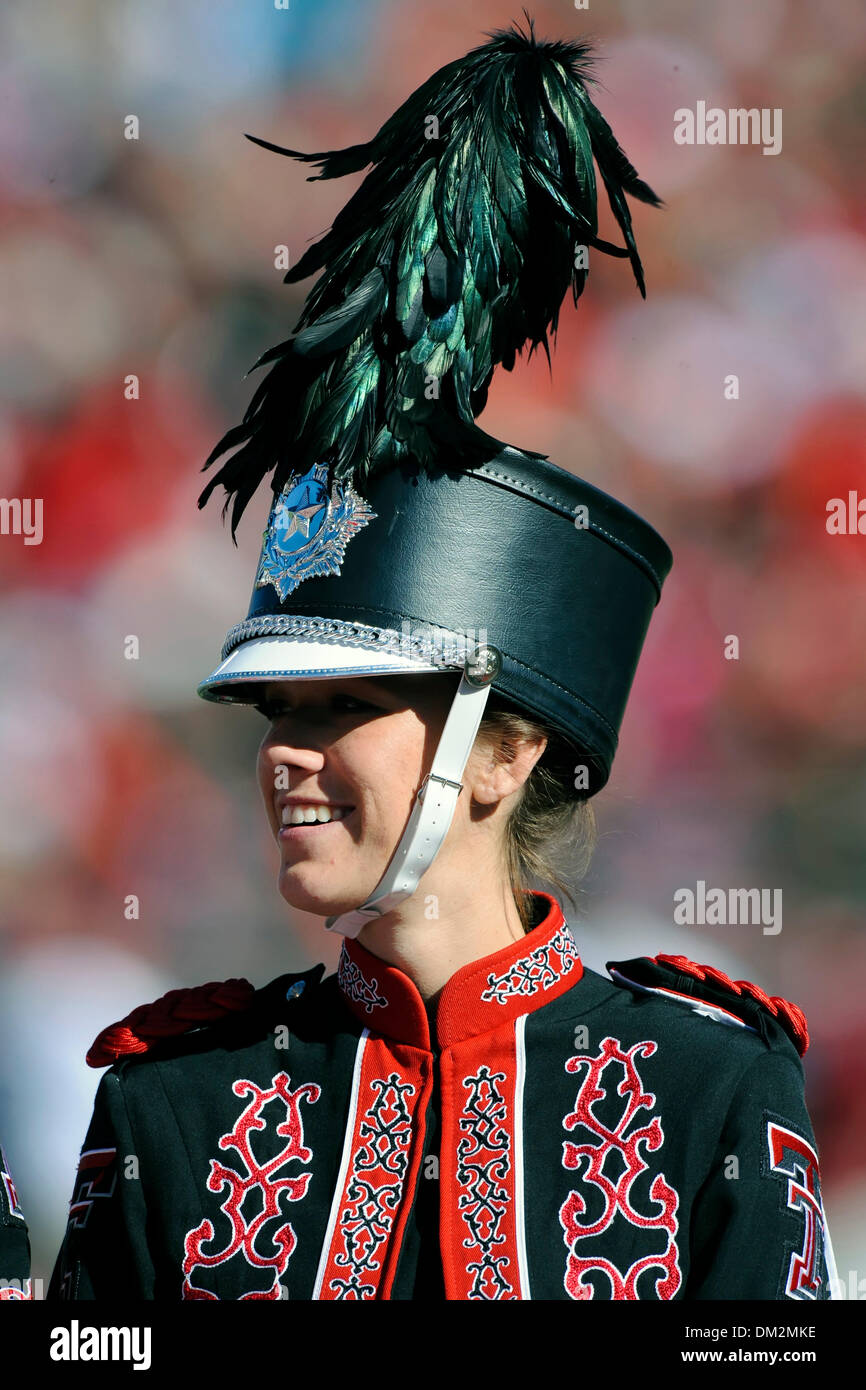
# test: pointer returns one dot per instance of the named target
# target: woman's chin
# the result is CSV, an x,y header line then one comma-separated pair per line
x,y
322,898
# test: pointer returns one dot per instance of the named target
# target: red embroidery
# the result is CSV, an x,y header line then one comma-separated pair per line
x,y
258,1178
485,1181
796,1160
382,1160
541,969
355,985
481,1213
614,1179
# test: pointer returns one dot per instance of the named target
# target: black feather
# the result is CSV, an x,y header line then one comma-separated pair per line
x,y
452,257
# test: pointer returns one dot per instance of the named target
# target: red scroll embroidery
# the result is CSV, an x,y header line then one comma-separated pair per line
x,y
382,1157
485,1182
612,1164
259,1178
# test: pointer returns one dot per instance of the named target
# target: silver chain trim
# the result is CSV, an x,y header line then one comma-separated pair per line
x,y
433,645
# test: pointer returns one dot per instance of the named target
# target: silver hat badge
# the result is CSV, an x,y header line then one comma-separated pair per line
x,y
308,530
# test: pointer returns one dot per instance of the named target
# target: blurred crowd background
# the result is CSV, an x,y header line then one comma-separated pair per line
x,y
156,257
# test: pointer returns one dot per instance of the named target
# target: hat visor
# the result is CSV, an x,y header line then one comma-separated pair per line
x,y
239,678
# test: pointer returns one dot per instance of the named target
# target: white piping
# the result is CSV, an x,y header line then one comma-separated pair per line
x,y
344,1165
519,1213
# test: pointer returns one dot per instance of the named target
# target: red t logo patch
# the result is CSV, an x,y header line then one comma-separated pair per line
x,y
96,1177
793,1158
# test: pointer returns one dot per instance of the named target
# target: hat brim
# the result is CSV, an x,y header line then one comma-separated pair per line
x,y
238,679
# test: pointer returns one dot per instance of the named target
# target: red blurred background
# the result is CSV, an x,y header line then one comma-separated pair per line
x,y
155,257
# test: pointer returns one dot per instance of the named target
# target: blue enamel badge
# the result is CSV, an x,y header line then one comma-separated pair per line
x,y
308,530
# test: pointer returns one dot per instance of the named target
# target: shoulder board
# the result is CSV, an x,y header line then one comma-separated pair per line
x,y
176,1012
712,992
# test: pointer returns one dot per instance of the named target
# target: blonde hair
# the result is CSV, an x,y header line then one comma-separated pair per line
x,y
549,826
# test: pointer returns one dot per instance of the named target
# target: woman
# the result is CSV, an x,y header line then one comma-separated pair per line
x,y
442,636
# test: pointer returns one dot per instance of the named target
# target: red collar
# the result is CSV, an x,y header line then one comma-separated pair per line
x,y
497,988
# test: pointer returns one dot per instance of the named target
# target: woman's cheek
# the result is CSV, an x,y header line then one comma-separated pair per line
x,y
264,777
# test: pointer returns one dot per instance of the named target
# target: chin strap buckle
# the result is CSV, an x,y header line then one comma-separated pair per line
x,y
444,781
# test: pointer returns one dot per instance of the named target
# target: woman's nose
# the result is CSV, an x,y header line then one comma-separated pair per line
x,y
296,741
294,745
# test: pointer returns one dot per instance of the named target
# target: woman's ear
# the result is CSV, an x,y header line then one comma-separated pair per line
x,y
494,777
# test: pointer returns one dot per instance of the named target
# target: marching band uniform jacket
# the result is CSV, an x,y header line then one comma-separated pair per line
x,y
548,1133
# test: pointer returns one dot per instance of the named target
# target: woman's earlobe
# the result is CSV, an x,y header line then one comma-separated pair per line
x,y
481,772
495,779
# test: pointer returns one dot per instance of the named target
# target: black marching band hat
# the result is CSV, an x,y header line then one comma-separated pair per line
x,y
402,537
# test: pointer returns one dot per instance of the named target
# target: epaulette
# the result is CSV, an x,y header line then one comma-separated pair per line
x,y
711,992
176,1012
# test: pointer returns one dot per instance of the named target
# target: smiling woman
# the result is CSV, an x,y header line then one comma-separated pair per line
x,y
443,635
351,754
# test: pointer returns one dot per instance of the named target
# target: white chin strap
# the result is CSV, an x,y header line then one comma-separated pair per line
x,y
436,800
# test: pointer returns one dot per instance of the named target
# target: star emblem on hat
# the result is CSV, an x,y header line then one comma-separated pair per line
x,y
308,530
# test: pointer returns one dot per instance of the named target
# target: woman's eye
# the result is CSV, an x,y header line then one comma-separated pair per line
x,y
352,700
276,709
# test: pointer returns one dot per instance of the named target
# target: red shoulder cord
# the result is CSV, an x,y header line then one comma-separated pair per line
x,y
176,1012
775,1004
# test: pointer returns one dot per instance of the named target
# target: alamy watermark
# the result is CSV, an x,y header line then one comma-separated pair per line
x,y
720,907
77,1343
436,644
22,516
737,126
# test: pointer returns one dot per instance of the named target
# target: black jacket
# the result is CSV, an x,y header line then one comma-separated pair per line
x,y
562,1136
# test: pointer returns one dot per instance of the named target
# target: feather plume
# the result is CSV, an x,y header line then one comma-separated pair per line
x,y
454,255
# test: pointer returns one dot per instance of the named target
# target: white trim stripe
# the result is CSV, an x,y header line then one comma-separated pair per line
x,y
519,1212
344,1166
829,1257
694,1001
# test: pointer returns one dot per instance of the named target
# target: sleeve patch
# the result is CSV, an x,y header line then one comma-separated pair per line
x,y
9,1203
790,1160
95,1181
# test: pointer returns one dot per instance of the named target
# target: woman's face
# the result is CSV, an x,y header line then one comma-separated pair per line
x,y
359,744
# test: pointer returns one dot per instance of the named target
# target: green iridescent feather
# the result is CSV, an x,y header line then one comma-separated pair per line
x,y
453,256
